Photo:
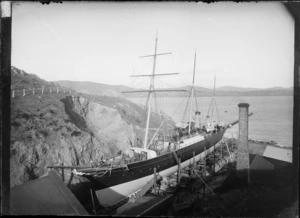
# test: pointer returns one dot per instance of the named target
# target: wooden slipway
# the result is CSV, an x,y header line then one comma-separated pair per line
x,y
47,195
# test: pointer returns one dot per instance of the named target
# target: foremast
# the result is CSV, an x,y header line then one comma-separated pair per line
x,y
152,90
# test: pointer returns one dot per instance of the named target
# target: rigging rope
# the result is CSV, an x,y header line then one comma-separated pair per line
x,y
178,106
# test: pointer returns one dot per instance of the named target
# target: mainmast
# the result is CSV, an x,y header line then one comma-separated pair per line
x,y
151,90
150,95
192,93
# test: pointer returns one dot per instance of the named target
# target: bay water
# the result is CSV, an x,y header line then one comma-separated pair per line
x,y
272,118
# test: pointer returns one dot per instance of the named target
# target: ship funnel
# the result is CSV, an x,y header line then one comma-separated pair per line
x,y
197,119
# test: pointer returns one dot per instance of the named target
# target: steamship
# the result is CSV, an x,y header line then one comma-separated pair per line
x,y
112,184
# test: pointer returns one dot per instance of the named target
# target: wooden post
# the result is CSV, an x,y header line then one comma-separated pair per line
x,y
155,179
221,150
62,173
204,174
193,158
192,168
42,89
94,208
179,171
24,92
13,93
231,158
214,160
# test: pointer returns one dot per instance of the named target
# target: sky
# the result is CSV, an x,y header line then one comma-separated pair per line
x,y
244,44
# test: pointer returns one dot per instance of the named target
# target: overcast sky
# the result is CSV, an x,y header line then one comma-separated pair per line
x,y
244,44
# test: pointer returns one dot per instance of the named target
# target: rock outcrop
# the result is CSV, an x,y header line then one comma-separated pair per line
x,y
105,123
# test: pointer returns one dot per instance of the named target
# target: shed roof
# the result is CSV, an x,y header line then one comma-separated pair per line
x,y
47,195
279,153
261,163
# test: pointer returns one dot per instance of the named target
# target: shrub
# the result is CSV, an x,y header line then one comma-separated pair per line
x,y
75,133
44,133
25,115
15,124
52,111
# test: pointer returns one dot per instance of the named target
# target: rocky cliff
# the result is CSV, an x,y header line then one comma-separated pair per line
x,y
57,129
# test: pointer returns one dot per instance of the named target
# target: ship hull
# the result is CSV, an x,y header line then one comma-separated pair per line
x,y
119,183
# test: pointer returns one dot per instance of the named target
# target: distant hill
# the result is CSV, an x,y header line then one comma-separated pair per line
x,y
276,91
240,91
116,90
233,88
21,79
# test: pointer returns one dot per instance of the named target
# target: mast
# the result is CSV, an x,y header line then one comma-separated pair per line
x,y
213,103
151,90
213,99
192,93
150,95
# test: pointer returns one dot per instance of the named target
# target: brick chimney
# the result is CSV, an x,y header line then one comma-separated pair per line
x,y
243,163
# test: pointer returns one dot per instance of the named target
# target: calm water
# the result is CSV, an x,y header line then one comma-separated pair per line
x,y
272,118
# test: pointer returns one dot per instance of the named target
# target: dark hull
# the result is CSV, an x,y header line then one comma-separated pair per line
x,y
145,168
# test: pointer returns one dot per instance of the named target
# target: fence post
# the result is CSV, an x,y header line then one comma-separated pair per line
x,y
13,93
23,92
221,150
50,90
42,89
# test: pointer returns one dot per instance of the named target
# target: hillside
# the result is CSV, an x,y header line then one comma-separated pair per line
x,y
22,80
116,90
70,130
94,88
